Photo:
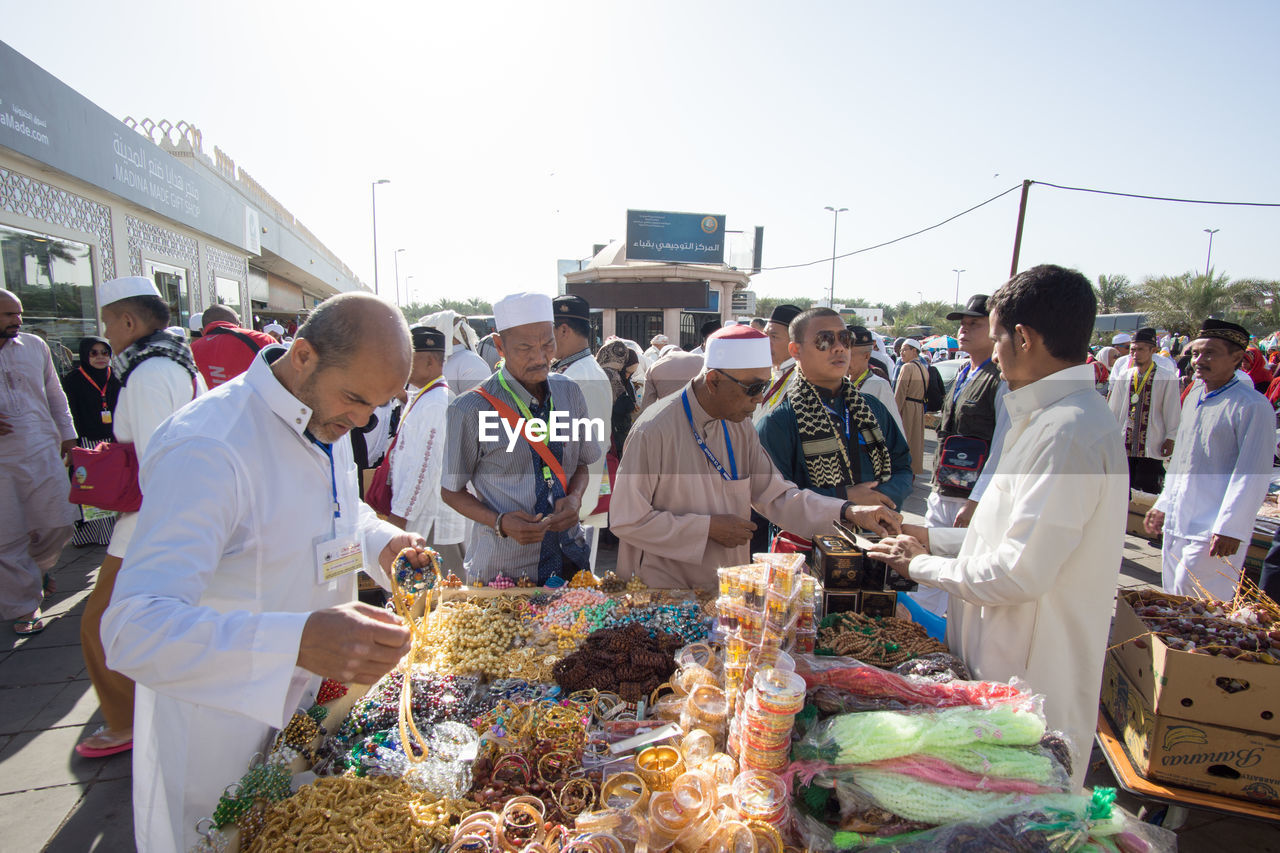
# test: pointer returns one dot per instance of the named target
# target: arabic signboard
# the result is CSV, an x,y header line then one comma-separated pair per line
x,y
48,121
677,238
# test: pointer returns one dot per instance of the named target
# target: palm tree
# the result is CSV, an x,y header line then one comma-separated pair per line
x,y
1180,302
1114,293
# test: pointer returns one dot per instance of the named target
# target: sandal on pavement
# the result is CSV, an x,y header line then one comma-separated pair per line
x,y
27,627
50,585
103,743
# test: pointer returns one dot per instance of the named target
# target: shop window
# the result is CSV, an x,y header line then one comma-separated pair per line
x,y
690,323
53,278
227,292
172,283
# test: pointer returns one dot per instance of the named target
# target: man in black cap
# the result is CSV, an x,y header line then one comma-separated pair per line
x,y
1219,472
572,318
1144,396
863,374
784,366
969,413
704,332
417,454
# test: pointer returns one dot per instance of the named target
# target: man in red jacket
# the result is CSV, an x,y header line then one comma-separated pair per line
x,y
226,350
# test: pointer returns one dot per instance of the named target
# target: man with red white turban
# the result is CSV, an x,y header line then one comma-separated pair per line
x,y
693,468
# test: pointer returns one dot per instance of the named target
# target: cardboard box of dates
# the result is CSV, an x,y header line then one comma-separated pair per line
x,y
1217,759
1199,662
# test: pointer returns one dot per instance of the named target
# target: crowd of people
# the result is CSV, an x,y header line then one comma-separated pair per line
x,y
517,456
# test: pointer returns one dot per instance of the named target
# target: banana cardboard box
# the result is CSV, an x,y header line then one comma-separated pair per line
x,y
1211,758
1195,687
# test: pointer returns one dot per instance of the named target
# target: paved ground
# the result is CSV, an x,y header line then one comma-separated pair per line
x,y
53,800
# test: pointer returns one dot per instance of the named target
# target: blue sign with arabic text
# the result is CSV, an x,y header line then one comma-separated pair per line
x,y
677,238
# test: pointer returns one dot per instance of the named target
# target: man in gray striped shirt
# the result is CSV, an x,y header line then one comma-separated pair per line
x,y
522,440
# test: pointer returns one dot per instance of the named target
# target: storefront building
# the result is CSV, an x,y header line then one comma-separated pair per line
x,y
640,299
85,198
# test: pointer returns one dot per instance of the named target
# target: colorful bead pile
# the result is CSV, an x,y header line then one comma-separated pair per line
x,y
501,582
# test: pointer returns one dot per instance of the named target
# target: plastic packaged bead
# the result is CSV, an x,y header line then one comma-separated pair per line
x,y
779,691
760,795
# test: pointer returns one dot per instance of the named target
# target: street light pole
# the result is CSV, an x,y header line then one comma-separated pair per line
x,y
396,257
408,298
373,191
1210,232
957,272
835,224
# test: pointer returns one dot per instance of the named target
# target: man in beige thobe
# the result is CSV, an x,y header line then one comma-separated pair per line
x,y
693,468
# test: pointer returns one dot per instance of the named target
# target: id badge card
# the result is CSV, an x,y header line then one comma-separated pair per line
x,y
336,557
106,416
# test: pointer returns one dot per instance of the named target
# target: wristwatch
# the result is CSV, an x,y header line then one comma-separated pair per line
x,y
844,509
497,526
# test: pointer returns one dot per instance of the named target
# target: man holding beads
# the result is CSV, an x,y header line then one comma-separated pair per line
x,y
234,598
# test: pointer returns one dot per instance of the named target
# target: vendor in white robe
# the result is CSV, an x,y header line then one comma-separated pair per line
x,y
1220,470
863,378
417,459
693,468
35,430
574,360
1032,579
778,329
220,613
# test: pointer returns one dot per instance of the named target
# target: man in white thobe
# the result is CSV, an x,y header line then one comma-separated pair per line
x,y
235,596
574,360
417,459
1032,578
1220,470
35,429
656,343
463,368
1144,397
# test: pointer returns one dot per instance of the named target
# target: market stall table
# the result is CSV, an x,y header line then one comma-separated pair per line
x,y
1177,799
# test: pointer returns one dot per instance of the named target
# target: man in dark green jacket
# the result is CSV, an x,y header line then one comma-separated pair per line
x,y
827,437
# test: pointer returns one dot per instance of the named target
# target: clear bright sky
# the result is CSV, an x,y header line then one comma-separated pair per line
x,y
518,133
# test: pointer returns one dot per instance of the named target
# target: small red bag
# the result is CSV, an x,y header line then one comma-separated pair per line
x,y
106,477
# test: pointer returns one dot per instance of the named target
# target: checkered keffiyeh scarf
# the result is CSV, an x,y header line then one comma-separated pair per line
x,y
161,343
826,456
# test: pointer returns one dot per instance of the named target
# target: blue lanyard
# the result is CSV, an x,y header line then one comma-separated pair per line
x,y
333,474
845,414
963,379
733,466
1209,396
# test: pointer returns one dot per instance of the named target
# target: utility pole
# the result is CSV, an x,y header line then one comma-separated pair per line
x,y
835,224
1210,232
396,258
1017,237
373,191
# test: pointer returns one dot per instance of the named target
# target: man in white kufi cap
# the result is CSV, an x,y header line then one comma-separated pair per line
x,y
527,482
693,468
159,376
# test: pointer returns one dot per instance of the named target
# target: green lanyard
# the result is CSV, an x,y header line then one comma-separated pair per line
x,y
528,415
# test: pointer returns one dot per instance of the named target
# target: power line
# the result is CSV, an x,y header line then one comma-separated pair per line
x,y
896,239
1159,197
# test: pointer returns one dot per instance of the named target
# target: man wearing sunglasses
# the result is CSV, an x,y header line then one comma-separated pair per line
x,y
693,468
828,437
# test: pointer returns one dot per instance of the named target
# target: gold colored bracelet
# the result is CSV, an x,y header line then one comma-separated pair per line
x,y
627,786
659,767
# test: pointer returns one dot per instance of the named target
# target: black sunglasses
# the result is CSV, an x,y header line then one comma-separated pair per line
x,y
752,389
824,339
